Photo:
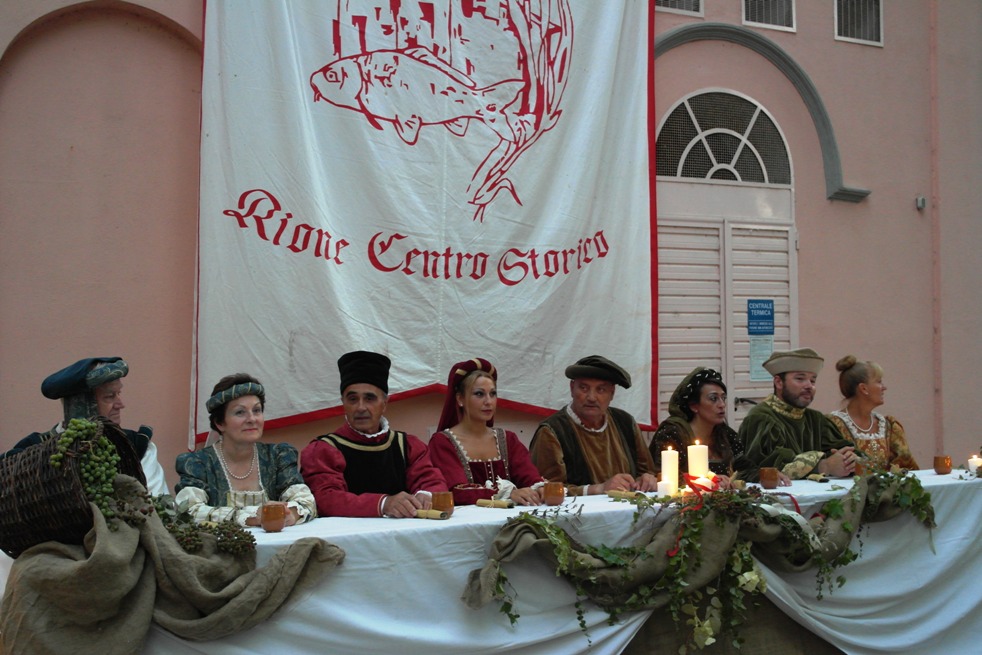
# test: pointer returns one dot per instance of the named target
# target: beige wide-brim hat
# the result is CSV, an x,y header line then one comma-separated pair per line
x,y
802,359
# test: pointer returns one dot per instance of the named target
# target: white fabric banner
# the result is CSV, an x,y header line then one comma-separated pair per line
x,y
430,180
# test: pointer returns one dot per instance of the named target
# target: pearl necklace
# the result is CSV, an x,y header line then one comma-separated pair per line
x,y
576,419
860,433
220,451
872,419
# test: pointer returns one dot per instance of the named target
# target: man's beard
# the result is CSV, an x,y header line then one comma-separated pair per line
x,y
795,401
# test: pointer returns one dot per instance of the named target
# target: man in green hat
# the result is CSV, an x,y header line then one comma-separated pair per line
x,y
781,431
590,446
93,387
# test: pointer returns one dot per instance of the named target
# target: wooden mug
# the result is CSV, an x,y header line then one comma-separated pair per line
x,y
273,517
769,478
553,493
443,501
942,464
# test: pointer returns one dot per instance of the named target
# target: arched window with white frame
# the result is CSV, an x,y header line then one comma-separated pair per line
x,y
725,236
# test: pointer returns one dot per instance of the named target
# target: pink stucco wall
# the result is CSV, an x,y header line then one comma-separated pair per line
x,y
99,115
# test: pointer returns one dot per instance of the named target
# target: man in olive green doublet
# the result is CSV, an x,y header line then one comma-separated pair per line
x,y
790,439
781,432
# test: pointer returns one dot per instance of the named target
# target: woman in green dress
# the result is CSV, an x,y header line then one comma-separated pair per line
x,y
234,477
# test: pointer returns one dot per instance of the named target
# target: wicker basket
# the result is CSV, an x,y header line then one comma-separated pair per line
x,y
39,502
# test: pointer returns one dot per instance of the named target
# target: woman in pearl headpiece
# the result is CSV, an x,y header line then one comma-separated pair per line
x,y
697,411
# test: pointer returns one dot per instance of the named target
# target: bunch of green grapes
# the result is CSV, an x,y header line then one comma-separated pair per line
x,y
78,429
98,467
98,462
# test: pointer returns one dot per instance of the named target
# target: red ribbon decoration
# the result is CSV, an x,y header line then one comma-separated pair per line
x,y
797,507
697,489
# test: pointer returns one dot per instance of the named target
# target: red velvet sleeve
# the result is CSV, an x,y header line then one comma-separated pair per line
x,y
322,467
523,471
421,474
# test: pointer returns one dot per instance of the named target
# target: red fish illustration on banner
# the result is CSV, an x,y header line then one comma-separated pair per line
x,y
412,88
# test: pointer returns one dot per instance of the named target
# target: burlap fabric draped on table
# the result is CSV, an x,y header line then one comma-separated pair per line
x,y
611,586
101,597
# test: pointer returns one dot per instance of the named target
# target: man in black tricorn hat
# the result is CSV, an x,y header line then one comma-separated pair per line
x,y
93,387
365,469
590,446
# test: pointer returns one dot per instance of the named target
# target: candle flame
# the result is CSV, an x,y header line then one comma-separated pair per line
x,y
697,442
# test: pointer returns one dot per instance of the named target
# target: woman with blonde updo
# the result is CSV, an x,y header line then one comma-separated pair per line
x,y
880,437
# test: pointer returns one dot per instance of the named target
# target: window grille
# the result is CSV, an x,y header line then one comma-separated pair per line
x,y
769,13
721,136
859,20
681,6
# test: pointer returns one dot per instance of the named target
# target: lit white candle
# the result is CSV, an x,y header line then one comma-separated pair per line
x,y
670,470
698,460
974,462
666,489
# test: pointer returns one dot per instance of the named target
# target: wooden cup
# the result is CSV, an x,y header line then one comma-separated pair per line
x,y
553,493
942,464
273,517
769,478
443,501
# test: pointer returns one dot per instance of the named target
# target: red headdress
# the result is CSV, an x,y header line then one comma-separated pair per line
x,y
450,415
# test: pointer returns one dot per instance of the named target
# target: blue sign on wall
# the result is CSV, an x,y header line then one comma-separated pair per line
x,y
760,316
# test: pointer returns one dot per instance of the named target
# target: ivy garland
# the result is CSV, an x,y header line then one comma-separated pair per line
x,y
718,609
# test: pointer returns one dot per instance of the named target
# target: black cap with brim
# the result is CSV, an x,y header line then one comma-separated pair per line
x,y
599,368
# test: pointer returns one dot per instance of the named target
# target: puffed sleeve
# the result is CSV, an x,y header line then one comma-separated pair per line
x,y
196,490
289,486
523,472
899,450
547,457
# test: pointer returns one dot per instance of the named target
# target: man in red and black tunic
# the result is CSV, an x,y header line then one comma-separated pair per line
x,y
365,469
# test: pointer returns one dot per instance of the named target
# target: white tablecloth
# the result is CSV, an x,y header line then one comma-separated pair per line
x,y
398,590
899,596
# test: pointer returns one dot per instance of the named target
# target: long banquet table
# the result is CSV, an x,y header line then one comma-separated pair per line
x,y
398,590
912,591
